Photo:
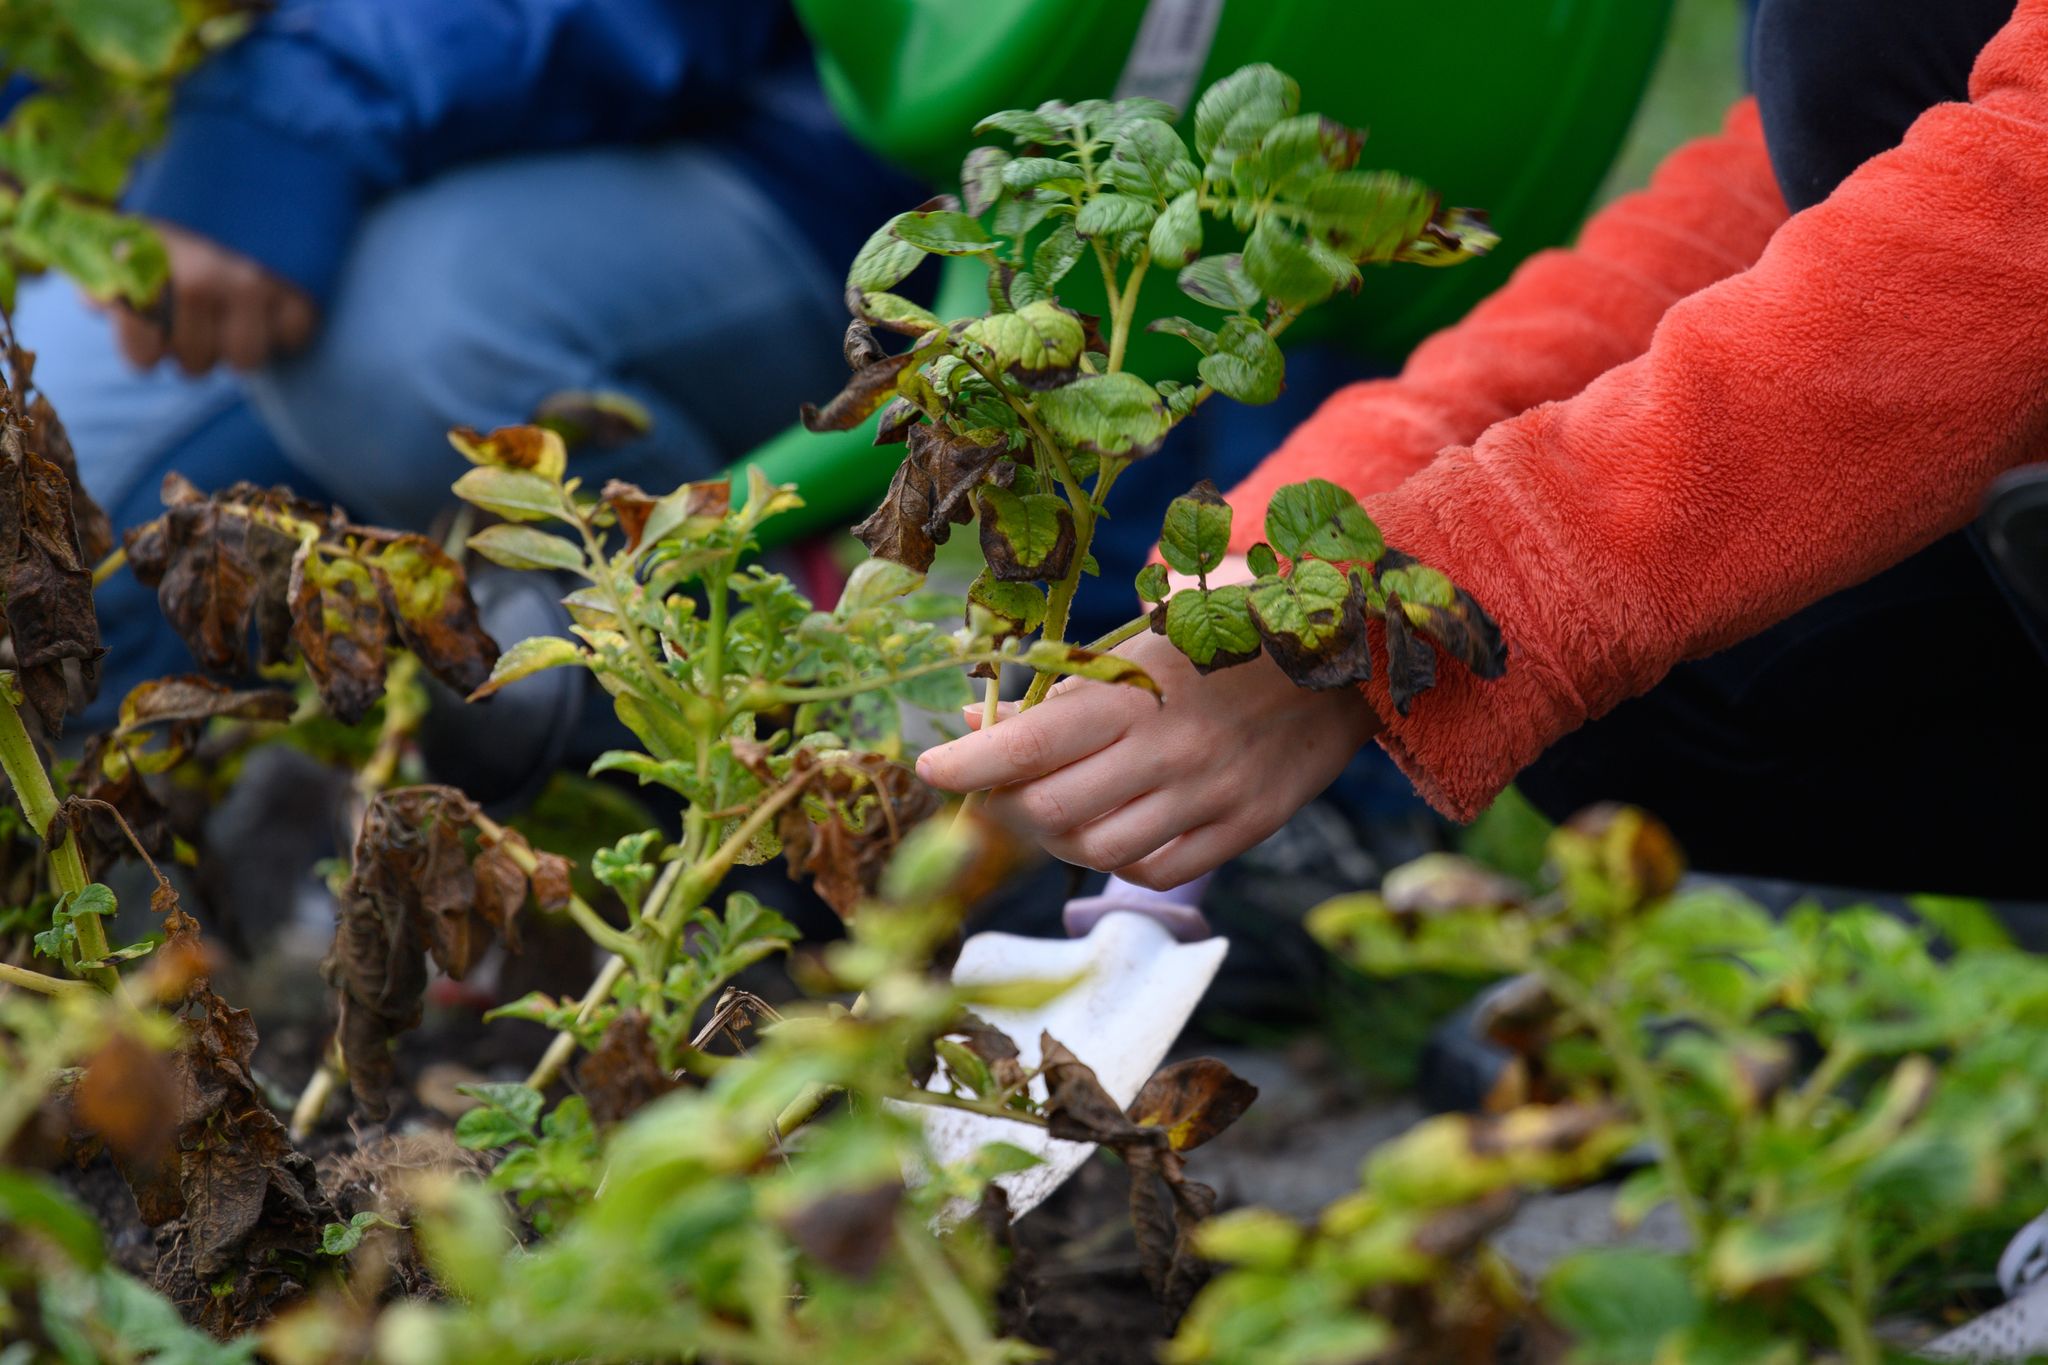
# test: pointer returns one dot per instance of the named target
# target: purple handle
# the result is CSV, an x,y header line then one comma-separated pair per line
x,y
1177,910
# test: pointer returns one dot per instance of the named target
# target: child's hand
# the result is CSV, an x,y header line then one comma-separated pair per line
x,y
1159,794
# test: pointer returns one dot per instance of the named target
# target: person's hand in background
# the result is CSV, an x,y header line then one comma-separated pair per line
x,y
221,308
1159,793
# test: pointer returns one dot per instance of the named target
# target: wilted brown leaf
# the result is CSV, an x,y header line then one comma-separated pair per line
x,y
42,432
928,496
871,386
1411,667
129,1098
187,698
1193,1101
48,613
847,1231
234,1196
532,448
841,833
623,1074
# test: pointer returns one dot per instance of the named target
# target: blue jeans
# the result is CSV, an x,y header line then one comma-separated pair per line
x,y
658,272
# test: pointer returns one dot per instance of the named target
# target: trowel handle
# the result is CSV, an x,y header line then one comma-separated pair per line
x,y
1178,910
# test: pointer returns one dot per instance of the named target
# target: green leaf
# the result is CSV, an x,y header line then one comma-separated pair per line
x,y
1213,628
1748,1256
1108,214
1319,520
1260,91
1057,253
1308,145
1259,1238
1025,538
884,260
530,656
1047,657
1020,606
1177,233
339,1239
981,179
1220,281
522,1102
1026,125
1246,363
522,547
1195,536
1048,172
1201,338
1418,585
107,254
895,312
1620,1306
1262,560
964,1067
34,1201
1110,414
1152,584
1037,337
1313,624
943,232
514,494
1150,161
482,1129
874,582
1281,264
134,37
1367,215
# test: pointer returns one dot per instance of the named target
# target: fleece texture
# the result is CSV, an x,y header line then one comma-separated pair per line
x,y
1794,425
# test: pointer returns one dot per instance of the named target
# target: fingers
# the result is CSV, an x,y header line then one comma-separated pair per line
x,y
245,339
292,318
141,342
1129,834
1200,850
1064,728
1075,795
195,328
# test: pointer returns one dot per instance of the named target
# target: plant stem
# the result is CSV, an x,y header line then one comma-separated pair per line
x,y
564,1046
403,709
1126,312
320,1089
1129,630
991,704
110,566
937,1099
38,799
955,1308
1643,1092
1852,1333
29,980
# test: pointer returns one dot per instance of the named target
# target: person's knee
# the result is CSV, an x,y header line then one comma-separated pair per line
x,y
1837,83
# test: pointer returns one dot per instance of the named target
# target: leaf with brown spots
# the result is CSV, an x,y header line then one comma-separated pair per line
x,y
856,811
339,625
43,435
185,699
871,386
531,448
1193,1101
928,497
428,600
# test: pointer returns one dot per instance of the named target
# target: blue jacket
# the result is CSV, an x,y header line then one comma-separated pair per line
x,y
279,142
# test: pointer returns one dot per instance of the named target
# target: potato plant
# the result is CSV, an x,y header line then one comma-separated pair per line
x,y
1023,417
1842,1109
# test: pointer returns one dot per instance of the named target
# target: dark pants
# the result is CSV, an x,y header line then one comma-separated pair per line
x,y
1893,735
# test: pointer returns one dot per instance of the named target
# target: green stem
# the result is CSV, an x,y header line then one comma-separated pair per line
x,y
28,980
1643,1092
699,881
564,1046
1129,630
1852,1333
935,1099
110,566
991,703
1126,312
38,799
954,1306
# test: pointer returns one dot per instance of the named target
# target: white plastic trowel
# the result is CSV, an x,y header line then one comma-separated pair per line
x,y
1144,959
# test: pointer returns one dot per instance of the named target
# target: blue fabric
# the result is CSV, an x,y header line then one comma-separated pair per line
x,y
663,272
280,142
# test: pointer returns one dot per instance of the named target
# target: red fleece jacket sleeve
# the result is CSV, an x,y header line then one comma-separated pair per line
x,y
1790,432
1563,319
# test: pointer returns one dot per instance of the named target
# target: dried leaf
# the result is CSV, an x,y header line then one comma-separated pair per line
x,y
623,1073
129,1098
339,625
856,812
1193,1101
847,1231
928,496
48,612
187,698
1411,667
871,386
